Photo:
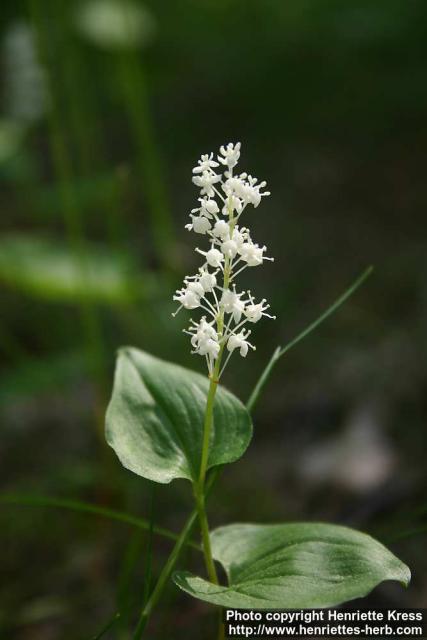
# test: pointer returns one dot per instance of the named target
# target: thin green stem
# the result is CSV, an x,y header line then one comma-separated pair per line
x,y
207,428
206,542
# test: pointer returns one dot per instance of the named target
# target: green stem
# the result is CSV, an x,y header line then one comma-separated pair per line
x,y
206,542
207,427
199,487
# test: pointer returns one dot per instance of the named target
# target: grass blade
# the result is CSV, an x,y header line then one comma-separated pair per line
x,y
107,626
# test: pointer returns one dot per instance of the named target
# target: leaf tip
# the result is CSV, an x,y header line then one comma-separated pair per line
x,y
406,576
179,577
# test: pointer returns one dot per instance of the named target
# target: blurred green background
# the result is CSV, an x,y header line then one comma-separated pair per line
x,y
105,107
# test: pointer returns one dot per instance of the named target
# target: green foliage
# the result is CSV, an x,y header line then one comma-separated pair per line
x,y
155,419
294,566
50,270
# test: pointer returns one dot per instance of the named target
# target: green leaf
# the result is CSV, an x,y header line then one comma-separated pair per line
x,y
293,566
155,419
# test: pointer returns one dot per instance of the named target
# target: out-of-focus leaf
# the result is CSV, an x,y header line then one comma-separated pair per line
x,y
116,23
293,566
49,269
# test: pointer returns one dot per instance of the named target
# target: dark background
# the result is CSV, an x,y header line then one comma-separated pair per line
x,y
105,108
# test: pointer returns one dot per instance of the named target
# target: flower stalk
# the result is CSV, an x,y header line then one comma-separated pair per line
x,y
213,290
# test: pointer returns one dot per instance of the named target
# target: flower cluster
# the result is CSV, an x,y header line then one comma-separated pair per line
x,y
223,198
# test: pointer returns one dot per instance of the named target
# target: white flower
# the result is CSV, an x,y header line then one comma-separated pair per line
x,y
221,229
231,251
238,341
204,338
230,154
254,312
252,254
214,258
234,203
197,288
229,248
187,299
245,188
231,303
253,193
202,331
200,224
205,182
239,236
209,347
205,163
207,280
235,187
209,207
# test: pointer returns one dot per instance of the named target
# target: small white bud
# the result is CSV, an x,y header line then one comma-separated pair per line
x,y
200,224
210,206
214,258
221,229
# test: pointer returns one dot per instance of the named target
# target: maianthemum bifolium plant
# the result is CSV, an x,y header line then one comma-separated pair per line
x,y
166,422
